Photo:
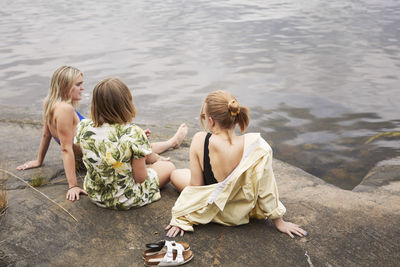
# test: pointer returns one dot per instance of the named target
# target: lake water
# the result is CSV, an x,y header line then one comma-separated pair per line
x,y
320,77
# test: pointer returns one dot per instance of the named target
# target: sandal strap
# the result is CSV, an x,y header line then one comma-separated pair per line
x,y
160,244
169,256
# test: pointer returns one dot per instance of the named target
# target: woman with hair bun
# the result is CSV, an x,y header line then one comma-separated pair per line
x,y
230,177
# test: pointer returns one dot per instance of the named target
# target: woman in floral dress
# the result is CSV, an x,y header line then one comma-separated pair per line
x,y
114,152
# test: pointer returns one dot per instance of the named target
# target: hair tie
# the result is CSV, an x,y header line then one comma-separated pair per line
x,y
229,107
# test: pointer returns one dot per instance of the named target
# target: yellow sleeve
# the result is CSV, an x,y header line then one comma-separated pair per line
x,y
268,196
182,223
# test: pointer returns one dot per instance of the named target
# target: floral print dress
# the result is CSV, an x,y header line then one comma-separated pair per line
x,y
108,151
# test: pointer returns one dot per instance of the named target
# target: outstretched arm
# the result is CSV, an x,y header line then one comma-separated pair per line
x,y
289,228
44,145
65,129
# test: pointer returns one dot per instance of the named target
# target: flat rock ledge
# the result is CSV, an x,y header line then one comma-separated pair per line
x,y
346,228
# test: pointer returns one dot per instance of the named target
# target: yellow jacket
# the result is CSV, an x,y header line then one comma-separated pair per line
x,y
249,191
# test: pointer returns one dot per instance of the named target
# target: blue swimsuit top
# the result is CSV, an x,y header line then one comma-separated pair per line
x,y
80,118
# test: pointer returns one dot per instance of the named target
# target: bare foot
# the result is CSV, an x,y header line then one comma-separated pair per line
x,y
179,135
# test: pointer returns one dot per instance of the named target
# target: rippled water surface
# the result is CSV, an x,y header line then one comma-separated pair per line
x,y
320,77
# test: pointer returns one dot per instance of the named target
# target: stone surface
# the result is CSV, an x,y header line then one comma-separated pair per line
x,y
384,173
345,228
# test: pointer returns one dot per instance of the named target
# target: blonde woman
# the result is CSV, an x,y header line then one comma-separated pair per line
x,y
114,151
59,122
230,177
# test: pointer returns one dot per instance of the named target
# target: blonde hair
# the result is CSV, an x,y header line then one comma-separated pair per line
x,y
225,110
112,103
62,82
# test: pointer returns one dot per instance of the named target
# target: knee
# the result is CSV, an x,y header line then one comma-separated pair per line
x,y
178,174
169,166
180,178
172,165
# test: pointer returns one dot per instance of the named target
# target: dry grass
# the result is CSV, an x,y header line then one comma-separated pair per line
x,y
38,180
34,189
3,191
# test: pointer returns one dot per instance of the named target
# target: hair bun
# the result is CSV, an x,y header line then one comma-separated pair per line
x,y
234,107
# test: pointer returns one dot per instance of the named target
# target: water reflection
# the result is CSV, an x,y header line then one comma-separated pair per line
x,y
319,76
332,148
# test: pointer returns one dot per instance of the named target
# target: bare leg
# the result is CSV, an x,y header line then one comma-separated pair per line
x,y
153,157
180,178
164,170
173,142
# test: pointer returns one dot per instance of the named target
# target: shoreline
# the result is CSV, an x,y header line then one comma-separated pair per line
x,y
23,118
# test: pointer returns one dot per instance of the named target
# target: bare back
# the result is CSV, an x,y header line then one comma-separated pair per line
x,y
63,114
225,156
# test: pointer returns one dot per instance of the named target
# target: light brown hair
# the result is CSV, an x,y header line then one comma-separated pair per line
x,y
112,103
62,81
225,110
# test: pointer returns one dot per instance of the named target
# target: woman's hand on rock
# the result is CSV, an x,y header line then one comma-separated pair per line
x,y
29,165
174,231
289,228
74,192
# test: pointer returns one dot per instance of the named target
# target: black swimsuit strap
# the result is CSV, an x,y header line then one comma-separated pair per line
x,y
207,172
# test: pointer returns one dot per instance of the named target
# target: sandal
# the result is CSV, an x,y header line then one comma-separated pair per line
x,y
175,255
154,248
